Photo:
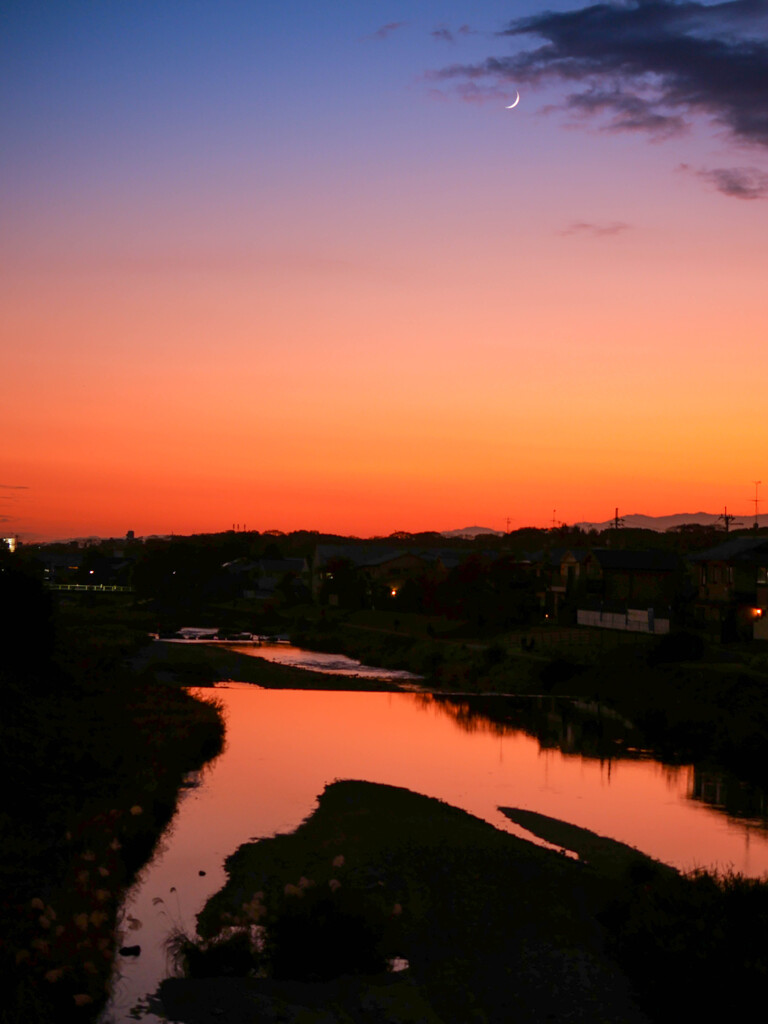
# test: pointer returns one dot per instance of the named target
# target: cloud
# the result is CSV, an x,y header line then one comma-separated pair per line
x,y
738,182
386,30
13,487
645,65
597,230
445,35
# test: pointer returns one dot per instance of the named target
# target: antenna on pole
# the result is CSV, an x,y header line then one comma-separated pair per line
x,y
618,520
756,501
509,521
727,519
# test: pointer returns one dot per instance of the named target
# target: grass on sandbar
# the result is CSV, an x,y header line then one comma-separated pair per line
x,y
493,928
203,664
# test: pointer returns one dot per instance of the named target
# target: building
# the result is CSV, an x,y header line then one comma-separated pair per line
x,y
732,589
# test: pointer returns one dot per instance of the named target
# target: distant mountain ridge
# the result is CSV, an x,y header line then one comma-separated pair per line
x,y
472,531
637,521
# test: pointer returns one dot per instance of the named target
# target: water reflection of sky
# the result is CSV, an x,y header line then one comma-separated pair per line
x,y
318,661
284,746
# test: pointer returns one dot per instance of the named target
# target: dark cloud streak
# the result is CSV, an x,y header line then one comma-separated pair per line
x,y
646,66
597,230
445,35
737,182
386,30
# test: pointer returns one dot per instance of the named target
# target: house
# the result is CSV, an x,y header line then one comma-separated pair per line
x,y
638,578
557,572
365,575
732,589
609,588
263,579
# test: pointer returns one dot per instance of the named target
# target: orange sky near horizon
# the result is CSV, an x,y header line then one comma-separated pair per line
x,y
444,321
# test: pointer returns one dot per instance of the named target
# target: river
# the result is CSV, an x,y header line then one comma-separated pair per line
x,y
284,746
320,661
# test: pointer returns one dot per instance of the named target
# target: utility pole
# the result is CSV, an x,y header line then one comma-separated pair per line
x,y
757,501
727,519
618,521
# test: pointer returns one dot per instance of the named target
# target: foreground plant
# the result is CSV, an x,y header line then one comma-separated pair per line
x,y
309,931
675,933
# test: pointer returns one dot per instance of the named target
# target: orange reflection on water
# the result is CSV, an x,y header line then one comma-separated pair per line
x,y
284,746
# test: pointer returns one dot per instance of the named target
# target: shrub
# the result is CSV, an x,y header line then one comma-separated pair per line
x,y
234,954
321,934
306,932
676,647
675,934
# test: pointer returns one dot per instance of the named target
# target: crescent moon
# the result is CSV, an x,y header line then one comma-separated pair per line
x,y
517,100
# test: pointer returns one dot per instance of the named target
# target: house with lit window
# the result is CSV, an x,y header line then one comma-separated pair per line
x,y
609,588
732,589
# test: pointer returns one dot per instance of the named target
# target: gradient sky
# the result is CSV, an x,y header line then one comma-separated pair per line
x,y
292,264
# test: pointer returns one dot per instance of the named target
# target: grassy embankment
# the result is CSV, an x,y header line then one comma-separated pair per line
x,y
202,664
493,928
92,756
689,700
691,703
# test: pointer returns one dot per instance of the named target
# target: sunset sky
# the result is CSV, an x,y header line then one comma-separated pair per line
x,y
293,264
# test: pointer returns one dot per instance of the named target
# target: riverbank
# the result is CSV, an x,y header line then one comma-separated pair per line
x,y
493,928
202,664
94,756
691,702
711,710
489,928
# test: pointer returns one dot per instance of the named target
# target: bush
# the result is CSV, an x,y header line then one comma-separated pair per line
x,y
675,934
676,647
231,955
558,671
305,932
322,934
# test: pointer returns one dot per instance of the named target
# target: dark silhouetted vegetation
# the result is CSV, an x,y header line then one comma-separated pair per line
x,y
93,757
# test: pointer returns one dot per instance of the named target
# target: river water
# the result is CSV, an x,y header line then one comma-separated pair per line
x,y
320,661
284,746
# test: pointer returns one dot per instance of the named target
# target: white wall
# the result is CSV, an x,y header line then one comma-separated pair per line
x,y
636,620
